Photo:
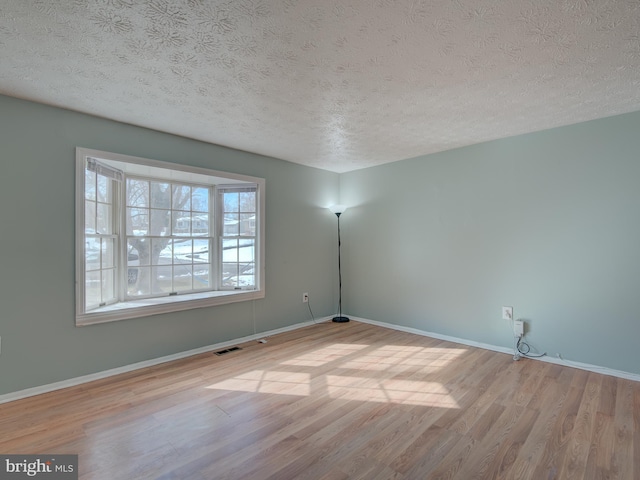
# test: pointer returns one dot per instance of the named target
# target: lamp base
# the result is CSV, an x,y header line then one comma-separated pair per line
x,y
340,319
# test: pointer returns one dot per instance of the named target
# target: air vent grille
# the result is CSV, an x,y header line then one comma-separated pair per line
x,y
227,350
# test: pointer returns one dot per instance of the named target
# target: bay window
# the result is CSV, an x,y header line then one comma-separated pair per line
x,y
155,237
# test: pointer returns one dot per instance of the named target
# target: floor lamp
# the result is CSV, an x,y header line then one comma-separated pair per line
x,y
339,210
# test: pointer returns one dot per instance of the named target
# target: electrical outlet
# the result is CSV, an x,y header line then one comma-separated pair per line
x,y
518,328
305,297
507,313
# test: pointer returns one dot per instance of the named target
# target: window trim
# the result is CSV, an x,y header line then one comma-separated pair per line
x,y
152,306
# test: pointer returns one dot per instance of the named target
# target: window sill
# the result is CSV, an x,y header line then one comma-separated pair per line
x,y
156,306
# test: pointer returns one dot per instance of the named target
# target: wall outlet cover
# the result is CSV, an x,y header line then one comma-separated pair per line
x,y
518,328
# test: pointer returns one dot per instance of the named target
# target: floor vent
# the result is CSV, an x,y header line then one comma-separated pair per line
x,y
227,350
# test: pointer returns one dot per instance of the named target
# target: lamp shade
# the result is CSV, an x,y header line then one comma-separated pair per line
x,y
338,209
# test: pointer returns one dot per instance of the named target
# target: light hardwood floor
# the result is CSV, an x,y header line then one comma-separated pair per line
x,y
338,401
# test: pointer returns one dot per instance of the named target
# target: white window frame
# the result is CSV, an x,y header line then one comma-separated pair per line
x,y
222,236
125,308
172,236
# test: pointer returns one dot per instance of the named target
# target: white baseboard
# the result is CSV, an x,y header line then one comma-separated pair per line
x,y
30,392
495,348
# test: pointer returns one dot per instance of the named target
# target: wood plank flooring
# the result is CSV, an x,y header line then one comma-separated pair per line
x,y
340,401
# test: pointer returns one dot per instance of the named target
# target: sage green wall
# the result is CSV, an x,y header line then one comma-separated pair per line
x,y
547,222
40,343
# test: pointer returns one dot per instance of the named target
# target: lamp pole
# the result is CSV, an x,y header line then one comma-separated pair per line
x,y
338,210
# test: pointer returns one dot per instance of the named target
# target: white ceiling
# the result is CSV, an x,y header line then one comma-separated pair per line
x,y
335,84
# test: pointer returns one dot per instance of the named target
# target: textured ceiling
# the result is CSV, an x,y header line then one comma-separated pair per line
x,y
334,84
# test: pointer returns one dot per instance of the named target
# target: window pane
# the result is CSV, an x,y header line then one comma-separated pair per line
x,y
246,250
160,222
160,195
229,250
247,201
229,274
137,221
103,222
200,199
231,224
138,281
108,253
201,278
231,201
92,253
200,251
182,277
246,276
92,289
108,285
138,251
181,197
182,251
89,217
161,280
89,185
161,251
247,224
181,223
137,193
200,225
104,189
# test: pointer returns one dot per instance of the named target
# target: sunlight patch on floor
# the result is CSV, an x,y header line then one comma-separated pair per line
x,y
296,376
405,392
396,360
325,355
261,381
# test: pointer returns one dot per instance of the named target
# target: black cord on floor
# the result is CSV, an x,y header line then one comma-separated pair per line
x,y
524,349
